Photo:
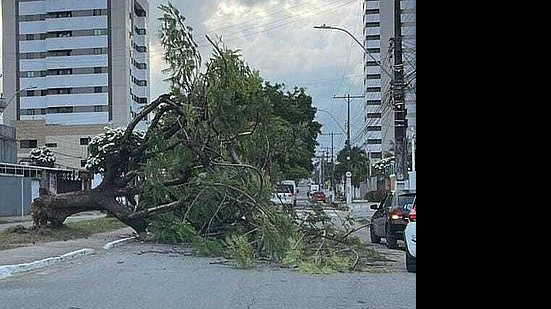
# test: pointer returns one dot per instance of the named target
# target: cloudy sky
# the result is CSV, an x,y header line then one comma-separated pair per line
x,y
277,38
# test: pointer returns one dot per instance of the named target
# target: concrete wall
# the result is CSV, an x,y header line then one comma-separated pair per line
x,y
10,195
8,146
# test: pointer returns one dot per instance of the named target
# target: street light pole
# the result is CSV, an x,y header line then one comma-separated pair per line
x,y
7,103
324,26
398,85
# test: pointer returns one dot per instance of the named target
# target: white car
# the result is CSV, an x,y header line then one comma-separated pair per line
x,y
410,238
284,195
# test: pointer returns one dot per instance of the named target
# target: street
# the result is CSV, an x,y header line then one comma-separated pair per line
x,y
132,277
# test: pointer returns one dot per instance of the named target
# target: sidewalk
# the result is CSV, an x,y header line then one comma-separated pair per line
x,y
8,222
57,248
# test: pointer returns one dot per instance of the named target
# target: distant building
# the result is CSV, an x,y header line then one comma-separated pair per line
x,y
373,107
378,31
74,68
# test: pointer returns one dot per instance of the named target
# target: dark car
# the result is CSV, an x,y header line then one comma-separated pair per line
x,y
390,218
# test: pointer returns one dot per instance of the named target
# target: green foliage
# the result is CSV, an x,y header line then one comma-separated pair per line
x,y
359,164
242,251
217,144
276,235
168,229
104,147
208,247
43,156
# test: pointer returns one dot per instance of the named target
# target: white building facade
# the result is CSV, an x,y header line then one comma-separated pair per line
x,y
74,68
378,32
373,107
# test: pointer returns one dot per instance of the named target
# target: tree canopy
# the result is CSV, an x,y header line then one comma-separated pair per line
x,y
203,171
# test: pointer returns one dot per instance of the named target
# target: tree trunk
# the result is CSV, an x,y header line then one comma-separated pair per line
x,y
56,208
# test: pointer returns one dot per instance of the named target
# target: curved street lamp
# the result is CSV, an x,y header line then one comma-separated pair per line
x,y
7,103
334,119
324,26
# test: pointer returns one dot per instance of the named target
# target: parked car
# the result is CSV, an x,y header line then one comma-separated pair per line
x,y
284,195
410,238
294,189
319,196
312,188
390,218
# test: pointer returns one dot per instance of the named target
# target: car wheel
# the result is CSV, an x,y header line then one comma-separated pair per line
x,y
374,238
411,262
391,241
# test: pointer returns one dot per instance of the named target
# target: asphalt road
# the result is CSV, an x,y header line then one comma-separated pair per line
x,y
124,278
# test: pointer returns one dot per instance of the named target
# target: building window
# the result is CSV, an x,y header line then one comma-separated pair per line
x,y
51,145
372,11
85,141
98,108
373,89
43,93
60,110
373,76
374,128
98,89
60,72
65,14
28,143
27,112
373,115
60,53
97,12
375,141
373,102
374,50
30,93
98,51
140,31
100,31
60,91
372,37
372,64
373,24
376,155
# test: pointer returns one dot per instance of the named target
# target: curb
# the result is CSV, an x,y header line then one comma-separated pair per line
x,y
10,270
116,243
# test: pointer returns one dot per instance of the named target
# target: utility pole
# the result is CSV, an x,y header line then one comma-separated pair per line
x,y
348,146
332,187
400,112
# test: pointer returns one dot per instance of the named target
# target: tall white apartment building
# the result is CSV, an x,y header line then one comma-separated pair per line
x,y
73,67
409,42
378,32
373,107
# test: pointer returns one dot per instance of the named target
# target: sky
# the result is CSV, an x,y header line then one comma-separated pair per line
x,y
277,38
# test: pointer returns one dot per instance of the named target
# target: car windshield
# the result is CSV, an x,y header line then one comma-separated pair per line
x,y
284,189
406,201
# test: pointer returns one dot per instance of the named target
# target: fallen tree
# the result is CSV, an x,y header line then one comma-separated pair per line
x,y
215,144
204,170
